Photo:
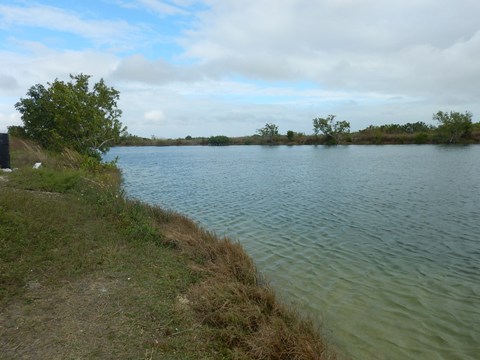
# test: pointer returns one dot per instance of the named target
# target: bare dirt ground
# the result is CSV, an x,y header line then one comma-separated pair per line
x,y
64,322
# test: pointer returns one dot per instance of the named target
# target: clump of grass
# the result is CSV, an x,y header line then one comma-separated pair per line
x,y
240,309
25,153
46,180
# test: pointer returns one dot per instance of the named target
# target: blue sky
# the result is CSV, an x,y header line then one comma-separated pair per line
x,y
209,67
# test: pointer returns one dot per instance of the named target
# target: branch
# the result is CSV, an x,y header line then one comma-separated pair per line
x,y
104,142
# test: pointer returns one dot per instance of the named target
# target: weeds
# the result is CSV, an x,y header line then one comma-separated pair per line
x,y
46,180
241,311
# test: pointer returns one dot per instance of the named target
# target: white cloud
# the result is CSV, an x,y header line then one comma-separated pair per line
x,y
8,83
154,116
161,7
392,47
137,68
101,32
8,118
42,65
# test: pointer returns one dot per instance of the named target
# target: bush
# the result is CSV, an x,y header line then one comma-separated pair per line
x,y
290,135
70,115
454,126
17,131
420,138
219,140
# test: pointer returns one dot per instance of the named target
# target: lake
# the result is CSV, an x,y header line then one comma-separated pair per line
x,y
379,243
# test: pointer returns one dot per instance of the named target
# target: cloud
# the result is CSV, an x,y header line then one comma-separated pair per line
x,y
8,82
8,118
161,7
443,71
154,115
137,68
41,65
305,26
101,32
394,47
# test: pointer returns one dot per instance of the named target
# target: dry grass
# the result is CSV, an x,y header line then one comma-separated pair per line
x,y
25,153
241,311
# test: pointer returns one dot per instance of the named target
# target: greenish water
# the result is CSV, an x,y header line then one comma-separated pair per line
x,y
382,243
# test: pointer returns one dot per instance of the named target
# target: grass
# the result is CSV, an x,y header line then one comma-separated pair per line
x,y
86,273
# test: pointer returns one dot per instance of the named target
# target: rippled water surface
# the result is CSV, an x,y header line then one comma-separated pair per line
x,y
382,243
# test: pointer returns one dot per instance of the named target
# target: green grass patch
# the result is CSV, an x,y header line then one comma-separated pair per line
x,y
108,286
46,180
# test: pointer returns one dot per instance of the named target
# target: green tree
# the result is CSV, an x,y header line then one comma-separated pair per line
x,y
334,131
17,131
418,127
269,131
290,135
454,125
70,115
219,140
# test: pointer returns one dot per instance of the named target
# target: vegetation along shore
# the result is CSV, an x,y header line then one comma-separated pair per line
x,y
453,128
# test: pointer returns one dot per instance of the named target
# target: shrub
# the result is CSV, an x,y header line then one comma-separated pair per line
x,y
290,135
420,138
219,140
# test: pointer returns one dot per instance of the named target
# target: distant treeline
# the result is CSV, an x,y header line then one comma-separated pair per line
x,y
410,133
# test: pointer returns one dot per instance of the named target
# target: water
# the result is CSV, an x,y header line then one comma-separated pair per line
x,y
380,243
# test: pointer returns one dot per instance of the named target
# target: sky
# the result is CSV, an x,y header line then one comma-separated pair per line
x,y
228,67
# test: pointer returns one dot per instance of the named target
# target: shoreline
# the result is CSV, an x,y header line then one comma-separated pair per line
x,y
371,137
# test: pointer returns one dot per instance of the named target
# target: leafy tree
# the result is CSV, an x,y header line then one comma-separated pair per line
x,y
333,131
454,125
290,135
408,128
269,131
70,115
17,131
219,140
417,127
420,138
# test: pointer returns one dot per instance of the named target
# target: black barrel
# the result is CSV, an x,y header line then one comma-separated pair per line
x,y
4,152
